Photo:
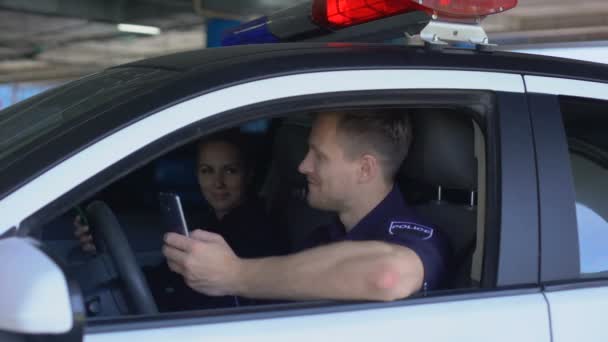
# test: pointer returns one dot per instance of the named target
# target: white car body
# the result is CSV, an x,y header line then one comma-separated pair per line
x,y
511,312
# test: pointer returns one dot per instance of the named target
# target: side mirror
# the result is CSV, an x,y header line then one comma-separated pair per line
x,y
34,293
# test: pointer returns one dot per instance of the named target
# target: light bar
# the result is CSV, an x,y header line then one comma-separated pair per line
x,y
343,13
468,8
139,29
289,24
330,18
338,14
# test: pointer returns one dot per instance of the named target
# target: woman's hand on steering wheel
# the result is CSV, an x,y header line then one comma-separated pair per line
x,y
84,236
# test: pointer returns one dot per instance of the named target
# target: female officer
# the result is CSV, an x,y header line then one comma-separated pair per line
x,y
225,177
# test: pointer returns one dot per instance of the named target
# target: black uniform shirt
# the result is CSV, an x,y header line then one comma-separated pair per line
x,y
394,222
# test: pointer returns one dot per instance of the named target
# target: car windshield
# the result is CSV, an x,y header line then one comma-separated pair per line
x,y
53,111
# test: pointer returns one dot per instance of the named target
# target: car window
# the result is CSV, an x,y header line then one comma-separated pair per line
x,y
279,146
591,185
584,121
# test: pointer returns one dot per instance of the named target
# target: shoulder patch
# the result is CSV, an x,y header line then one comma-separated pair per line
x,y
410,229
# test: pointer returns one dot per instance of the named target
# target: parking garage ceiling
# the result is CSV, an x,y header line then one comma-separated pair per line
x,y
49,39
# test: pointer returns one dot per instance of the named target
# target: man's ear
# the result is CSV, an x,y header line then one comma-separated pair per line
x,y
369,168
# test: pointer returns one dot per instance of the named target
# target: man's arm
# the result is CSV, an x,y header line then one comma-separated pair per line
x,y
366,270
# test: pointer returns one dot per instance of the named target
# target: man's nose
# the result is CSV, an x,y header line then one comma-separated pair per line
x,y
305,166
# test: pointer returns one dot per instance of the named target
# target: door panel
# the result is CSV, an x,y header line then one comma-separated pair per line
x,y
579,314
510,318
514,317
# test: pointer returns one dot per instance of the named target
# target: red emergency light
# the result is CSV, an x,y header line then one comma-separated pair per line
x,y
344,13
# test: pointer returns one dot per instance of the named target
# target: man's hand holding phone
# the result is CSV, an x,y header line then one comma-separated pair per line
x,y
206,262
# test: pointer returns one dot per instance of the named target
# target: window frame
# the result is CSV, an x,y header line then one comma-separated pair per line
x,y
504,181
350,100
559,255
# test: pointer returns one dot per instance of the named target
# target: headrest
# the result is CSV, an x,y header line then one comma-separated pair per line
x,y
443,150
291,146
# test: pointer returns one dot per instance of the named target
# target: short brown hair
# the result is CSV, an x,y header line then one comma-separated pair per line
x,y
385,133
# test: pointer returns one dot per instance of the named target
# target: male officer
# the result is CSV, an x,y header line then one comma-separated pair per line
x,y
376,251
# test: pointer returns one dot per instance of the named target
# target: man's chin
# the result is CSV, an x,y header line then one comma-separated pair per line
x,y
316,203
311,201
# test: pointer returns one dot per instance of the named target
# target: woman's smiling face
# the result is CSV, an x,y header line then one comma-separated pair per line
x,y
221,175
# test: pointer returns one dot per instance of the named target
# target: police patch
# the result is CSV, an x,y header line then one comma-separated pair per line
x,y
410,229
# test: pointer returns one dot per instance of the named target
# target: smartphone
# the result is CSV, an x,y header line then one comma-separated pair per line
x,y
173,214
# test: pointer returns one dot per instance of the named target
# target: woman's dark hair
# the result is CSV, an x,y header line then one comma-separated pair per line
x,y
234,137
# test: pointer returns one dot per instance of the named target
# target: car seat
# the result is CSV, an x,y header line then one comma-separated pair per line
x,y
442,156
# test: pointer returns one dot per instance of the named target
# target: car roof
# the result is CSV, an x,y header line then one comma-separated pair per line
x,y
416,56
197,72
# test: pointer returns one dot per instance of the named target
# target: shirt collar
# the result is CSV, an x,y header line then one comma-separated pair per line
x,y
392,205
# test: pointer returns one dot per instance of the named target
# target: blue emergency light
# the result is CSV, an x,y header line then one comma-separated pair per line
x,y
253,32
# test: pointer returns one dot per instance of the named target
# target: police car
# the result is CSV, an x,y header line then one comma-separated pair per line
x,y
510,157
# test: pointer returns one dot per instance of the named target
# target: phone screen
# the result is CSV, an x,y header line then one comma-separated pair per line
x,y
173,215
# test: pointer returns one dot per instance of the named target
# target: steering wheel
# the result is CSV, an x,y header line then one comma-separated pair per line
x,y
105,225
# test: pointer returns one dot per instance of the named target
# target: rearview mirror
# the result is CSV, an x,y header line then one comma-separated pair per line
x,y
34,292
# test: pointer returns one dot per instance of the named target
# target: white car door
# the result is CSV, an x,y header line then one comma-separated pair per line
x,y
520,317
501,314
